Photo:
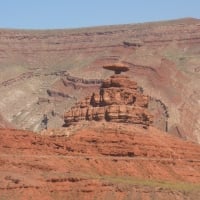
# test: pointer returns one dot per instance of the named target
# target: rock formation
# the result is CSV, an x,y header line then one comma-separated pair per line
x,y
117,68
118,100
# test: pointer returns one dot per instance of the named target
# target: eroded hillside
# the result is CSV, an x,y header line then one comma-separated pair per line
x,y
117,162
163,57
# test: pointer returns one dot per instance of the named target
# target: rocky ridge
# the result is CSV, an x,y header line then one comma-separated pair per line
x,y
119,100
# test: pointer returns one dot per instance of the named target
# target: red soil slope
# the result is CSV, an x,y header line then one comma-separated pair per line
x,y
98,162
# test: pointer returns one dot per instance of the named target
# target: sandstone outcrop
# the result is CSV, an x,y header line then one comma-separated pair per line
x,y
118,100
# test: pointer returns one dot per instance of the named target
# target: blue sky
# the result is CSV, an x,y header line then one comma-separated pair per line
x,y
50,14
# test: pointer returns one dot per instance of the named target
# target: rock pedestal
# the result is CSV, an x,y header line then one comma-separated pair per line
x,y
118,100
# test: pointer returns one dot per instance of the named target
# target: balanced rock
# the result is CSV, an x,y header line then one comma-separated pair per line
x,y
117,68
118,100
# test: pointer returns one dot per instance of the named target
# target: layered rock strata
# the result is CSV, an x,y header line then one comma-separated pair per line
x,y
119,161
118,100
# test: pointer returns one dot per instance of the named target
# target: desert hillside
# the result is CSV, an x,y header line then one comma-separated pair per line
x,y
98,163
99,138
46,72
